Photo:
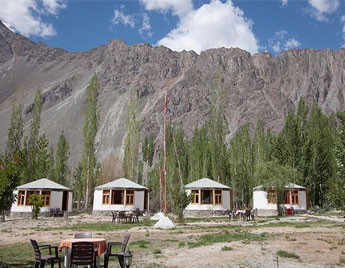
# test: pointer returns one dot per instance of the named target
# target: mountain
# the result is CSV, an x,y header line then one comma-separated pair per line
x,y
257,86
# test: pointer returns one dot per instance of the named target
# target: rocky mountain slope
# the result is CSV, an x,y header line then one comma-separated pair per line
x,y
257,86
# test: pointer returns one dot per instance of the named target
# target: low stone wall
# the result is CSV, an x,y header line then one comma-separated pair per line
x,y
27,214
274,212
101,213
205,213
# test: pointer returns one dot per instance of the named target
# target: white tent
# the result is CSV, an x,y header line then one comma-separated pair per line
x,y
264,201
209,198
54,195
120,195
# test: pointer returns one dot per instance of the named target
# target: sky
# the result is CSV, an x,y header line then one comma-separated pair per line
x,y
253,25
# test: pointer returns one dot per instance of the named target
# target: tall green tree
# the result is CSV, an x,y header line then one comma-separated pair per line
x,y
62,154
42,167
217,129
9,180
336,195
34,137
131,155
89,165
15,132
241,161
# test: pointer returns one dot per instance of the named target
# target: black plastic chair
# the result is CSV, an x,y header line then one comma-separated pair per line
x,y
83,253
120,255
40,260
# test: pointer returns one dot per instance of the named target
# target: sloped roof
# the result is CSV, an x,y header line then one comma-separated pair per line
x,y
120,183
205,183
287,186
43,184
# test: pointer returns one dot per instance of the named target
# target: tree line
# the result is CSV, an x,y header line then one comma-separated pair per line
x,y
309,150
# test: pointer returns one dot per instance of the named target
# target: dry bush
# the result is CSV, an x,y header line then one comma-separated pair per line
x,y
112,169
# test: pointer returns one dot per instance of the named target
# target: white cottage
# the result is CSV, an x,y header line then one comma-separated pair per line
x,y
210,198
120,195
56,196
296,197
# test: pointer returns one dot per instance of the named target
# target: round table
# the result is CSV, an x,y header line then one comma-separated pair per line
x,y
98,243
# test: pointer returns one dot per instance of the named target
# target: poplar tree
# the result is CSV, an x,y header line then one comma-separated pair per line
x,y
89,165
15,132
42,157
131,155
217,129
336,195
62,154
33,138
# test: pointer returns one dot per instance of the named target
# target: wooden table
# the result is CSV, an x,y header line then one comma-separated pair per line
x,y
98,243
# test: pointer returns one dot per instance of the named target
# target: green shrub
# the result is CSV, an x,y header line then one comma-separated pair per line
x,y
286,254
226,248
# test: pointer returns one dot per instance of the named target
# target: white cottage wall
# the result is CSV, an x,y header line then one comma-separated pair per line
x,y
139,199
225,204
56,199
70,201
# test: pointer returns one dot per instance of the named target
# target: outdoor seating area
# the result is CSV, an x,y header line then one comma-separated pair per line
x,y
83,250
126,216
242,214
55,212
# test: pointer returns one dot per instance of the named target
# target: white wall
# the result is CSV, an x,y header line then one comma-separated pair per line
x,y
70,201
260,201
138,202
225,204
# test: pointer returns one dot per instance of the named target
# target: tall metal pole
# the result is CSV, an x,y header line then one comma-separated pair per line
x,y
165,153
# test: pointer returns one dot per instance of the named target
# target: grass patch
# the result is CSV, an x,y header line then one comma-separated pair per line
x,y
181,244
157,251
226,236
286,254
140,243
226,248
18,255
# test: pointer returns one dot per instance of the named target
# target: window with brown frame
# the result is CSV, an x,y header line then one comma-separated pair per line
x,y
294,197
130,197
117,197
218,197
46,198
195,194
28,194
271,197
206,196
21,198
106,197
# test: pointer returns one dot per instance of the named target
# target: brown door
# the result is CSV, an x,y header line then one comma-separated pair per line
x,y
65,201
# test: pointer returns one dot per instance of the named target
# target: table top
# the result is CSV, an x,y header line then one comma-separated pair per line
x,y
99,243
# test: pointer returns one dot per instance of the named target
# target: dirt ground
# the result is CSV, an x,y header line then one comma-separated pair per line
x,y
315,242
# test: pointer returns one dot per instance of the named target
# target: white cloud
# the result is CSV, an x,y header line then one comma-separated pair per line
x,y
120,17
53,6
279,42
213,25
178,7
321,8
284,3
24,16
146,26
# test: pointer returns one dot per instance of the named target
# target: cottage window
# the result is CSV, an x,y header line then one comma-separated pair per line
x,y
206,197
28,194
117,197
218,197
294,197
21,198
46,198
195,194
106,197
130,197
271,197
287,196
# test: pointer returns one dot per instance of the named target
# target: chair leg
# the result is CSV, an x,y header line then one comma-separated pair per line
x,y
52,263
59,262
106,260
121,261
37,264
43,263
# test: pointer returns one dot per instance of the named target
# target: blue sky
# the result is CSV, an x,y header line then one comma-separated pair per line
x,y
253,25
